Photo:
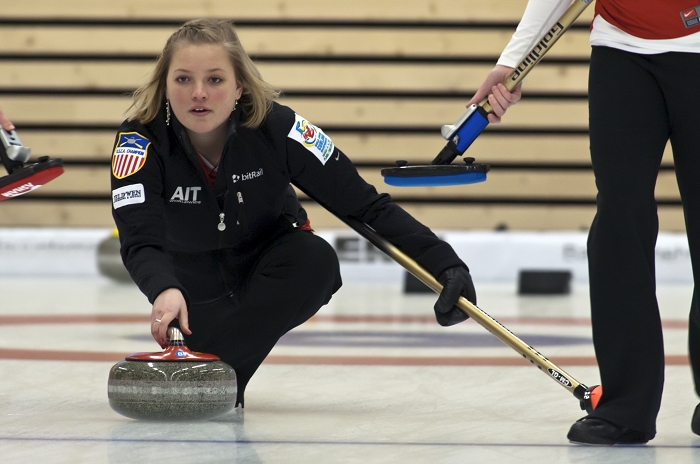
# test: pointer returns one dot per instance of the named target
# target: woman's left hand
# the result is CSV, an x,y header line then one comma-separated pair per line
x,y
456,282
499,97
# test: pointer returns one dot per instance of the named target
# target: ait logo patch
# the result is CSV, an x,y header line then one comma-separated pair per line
x,y
129,154
312,138
691,17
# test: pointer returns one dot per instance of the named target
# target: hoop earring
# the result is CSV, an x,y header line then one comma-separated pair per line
x,y
167,112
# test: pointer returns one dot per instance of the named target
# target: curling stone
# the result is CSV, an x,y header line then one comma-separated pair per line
x,y
174,385
109,260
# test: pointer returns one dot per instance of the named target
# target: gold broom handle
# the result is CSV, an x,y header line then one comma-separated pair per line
x,y
476,313
541,49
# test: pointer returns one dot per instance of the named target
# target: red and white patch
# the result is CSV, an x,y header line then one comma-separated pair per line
x,y
691,17
129,154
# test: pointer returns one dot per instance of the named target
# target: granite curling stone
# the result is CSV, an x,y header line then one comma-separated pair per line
x,y
174,385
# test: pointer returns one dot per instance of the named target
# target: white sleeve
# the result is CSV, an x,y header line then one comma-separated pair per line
x,y
539,17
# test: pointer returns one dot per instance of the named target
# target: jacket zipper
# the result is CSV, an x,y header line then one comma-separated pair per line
x,y
240,202
222,225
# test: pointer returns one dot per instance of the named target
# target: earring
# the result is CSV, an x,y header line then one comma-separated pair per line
x,y
167,112
234,106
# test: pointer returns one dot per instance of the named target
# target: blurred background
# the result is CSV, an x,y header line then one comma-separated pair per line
x,y
379,77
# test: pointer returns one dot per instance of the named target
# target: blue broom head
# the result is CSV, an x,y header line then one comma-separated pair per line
x,y
433,175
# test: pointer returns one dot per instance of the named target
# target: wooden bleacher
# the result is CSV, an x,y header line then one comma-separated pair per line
x,y
379,77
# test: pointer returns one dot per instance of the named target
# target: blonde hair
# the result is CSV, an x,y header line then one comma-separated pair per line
x,y
257,96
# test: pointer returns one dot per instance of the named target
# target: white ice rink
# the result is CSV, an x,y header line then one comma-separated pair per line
x,y
372,378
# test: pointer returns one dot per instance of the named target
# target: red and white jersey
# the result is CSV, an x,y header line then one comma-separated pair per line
x,y
639,26
651,19
647,26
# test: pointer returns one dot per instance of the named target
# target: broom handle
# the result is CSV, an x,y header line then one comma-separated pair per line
x,y
542,47
483,319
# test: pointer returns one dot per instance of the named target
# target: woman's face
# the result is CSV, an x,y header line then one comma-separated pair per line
x,y
202,86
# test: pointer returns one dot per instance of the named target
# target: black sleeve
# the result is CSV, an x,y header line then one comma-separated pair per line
x,y
323,172
137,208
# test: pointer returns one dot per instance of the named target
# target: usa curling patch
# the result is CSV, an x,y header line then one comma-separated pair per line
x,y
312,138
129,154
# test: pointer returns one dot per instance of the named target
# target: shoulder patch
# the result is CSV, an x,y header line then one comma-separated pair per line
x,y
312,138
128,195
129,154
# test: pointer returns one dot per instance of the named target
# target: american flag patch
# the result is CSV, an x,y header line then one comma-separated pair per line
x,y
129,154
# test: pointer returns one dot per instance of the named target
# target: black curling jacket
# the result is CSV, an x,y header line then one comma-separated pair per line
x,y
178,232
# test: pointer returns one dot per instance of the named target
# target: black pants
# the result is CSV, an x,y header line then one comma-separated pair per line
x,y
288,283
637,103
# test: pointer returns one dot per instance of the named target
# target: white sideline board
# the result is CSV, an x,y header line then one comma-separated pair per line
x,y
491,256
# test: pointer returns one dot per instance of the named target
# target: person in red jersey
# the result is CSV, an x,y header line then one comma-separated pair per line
x,y
643,91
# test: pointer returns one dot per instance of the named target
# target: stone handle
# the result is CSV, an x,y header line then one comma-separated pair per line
x,y
175,337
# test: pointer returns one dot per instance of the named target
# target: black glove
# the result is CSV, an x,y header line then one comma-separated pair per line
x,y
456,282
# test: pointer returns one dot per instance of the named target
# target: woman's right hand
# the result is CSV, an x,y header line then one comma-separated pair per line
x,y
170,304
6,123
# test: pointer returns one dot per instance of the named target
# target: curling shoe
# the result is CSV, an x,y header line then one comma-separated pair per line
x,y
595,431
695,423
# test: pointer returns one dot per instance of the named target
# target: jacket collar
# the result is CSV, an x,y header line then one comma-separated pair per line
x,y
181,132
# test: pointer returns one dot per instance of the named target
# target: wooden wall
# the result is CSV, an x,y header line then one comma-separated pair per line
x,y
379,77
